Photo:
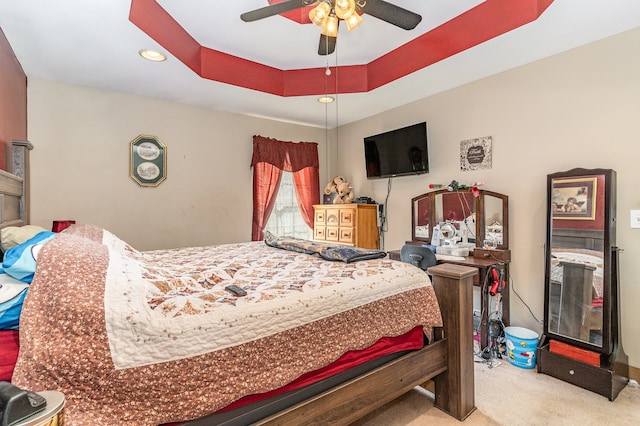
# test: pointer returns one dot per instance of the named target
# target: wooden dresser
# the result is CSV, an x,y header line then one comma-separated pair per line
x,y
347,224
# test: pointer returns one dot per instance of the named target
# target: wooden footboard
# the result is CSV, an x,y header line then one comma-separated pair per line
x,y
449,361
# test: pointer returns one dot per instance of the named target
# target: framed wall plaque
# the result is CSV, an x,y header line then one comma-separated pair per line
x,y
148,160
475,154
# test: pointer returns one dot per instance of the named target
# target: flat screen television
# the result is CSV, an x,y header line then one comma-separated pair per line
x,y
399,152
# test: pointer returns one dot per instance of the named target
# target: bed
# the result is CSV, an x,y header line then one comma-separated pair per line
x,y
91,293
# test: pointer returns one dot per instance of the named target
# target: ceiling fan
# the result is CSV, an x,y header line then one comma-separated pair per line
x,y
328,13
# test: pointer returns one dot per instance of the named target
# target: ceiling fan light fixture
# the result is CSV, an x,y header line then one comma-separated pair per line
x,y
330,27
319,14
345,8
353,21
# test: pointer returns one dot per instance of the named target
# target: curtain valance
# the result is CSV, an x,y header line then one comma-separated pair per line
x,y
287,156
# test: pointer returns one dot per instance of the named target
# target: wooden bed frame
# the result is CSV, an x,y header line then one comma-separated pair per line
x,y
448,361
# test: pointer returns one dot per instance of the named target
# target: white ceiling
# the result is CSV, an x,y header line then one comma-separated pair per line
x,y
93,43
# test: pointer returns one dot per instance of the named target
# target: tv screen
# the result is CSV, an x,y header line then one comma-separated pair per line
x,y
399,152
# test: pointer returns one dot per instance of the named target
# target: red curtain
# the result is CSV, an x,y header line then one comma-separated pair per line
x,y
270,158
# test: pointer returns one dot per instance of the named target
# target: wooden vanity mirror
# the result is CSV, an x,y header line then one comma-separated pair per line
x,y
581,283
485,217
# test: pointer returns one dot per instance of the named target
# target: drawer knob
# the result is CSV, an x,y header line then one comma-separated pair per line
x,y
572,372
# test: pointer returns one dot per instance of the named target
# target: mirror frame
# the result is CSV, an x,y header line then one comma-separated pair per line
x,y
479,208
610,312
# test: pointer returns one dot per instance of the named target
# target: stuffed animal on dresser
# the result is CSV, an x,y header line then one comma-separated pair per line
x,y
343,190
332,186
345,193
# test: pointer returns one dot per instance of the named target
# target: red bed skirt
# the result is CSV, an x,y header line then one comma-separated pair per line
x,y
8,353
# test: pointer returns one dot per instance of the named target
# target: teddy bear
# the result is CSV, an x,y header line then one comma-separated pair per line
x,y
333,184
345,193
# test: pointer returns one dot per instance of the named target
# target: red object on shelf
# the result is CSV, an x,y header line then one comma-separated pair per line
x,y
59,225
583,355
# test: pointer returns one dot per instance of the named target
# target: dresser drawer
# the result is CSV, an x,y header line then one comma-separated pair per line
x,y
319,233
333,233
347,217
332,217
347,235
595,379
320,217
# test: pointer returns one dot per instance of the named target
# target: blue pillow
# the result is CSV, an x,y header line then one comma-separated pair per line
x,y
12,293
20,261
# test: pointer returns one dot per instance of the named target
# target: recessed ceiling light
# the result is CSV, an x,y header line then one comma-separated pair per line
x,y
152,55
326,99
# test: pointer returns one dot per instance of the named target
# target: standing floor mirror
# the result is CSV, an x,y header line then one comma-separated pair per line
x,y
582,342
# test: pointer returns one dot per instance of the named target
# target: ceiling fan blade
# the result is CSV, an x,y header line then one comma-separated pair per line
x,y
327,45
390,13
274,9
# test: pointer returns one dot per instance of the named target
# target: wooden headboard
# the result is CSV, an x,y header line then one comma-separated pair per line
x,y
14,188
11,206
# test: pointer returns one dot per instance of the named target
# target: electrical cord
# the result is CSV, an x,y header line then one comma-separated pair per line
x,y
494,324
463,200
513,288
383,225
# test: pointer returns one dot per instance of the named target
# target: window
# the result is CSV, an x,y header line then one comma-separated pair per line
x,y
285,219
270,159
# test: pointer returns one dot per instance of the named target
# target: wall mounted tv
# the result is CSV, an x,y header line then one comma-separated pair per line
x,y
399,152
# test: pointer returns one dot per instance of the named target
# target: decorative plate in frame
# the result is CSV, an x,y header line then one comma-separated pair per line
x,y
148,160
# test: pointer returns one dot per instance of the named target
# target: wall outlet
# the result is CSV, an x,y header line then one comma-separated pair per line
x,y
635,218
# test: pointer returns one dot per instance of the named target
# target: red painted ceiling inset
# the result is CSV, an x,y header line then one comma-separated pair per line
x,y
477,25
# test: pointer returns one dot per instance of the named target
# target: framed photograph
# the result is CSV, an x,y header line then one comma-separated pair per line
x,y
574,199
148,161
475,154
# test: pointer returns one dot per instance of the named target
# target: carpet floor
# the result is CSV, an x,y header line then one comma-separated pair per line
x,y
508,395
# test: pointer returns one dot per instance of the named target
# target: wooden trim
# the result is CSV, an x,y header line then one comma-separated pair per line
x,y
634,373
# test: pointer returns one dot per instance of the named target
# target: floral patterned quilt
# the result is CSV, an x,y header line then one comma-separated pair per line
x,y
153,337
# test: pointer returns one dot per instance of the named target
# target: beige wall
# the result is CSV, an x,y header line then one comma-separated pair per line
x,y
80,165
577,109
13,102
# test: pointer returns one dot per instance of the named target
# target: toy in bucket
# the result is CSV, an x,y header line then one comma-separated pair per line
x,y
522,345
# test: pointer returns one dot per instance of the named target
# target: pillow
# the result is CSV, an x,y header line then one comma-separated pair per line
x,y
20,261
12,293
11,236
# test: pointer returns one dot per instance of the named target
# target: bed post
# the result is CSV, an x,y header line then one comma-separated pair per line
x,y
453,285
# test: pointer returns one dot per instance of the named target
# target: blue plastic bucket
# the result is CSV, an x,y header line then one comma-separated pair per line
x,y
522,345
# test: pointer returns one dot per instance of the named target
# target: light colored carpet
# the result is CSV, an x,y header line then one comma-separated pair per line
x,y
508,395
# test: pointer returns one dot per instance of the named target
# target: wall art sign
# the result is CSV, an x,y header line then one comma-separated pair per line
x,y
475,154
575,198
148,160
